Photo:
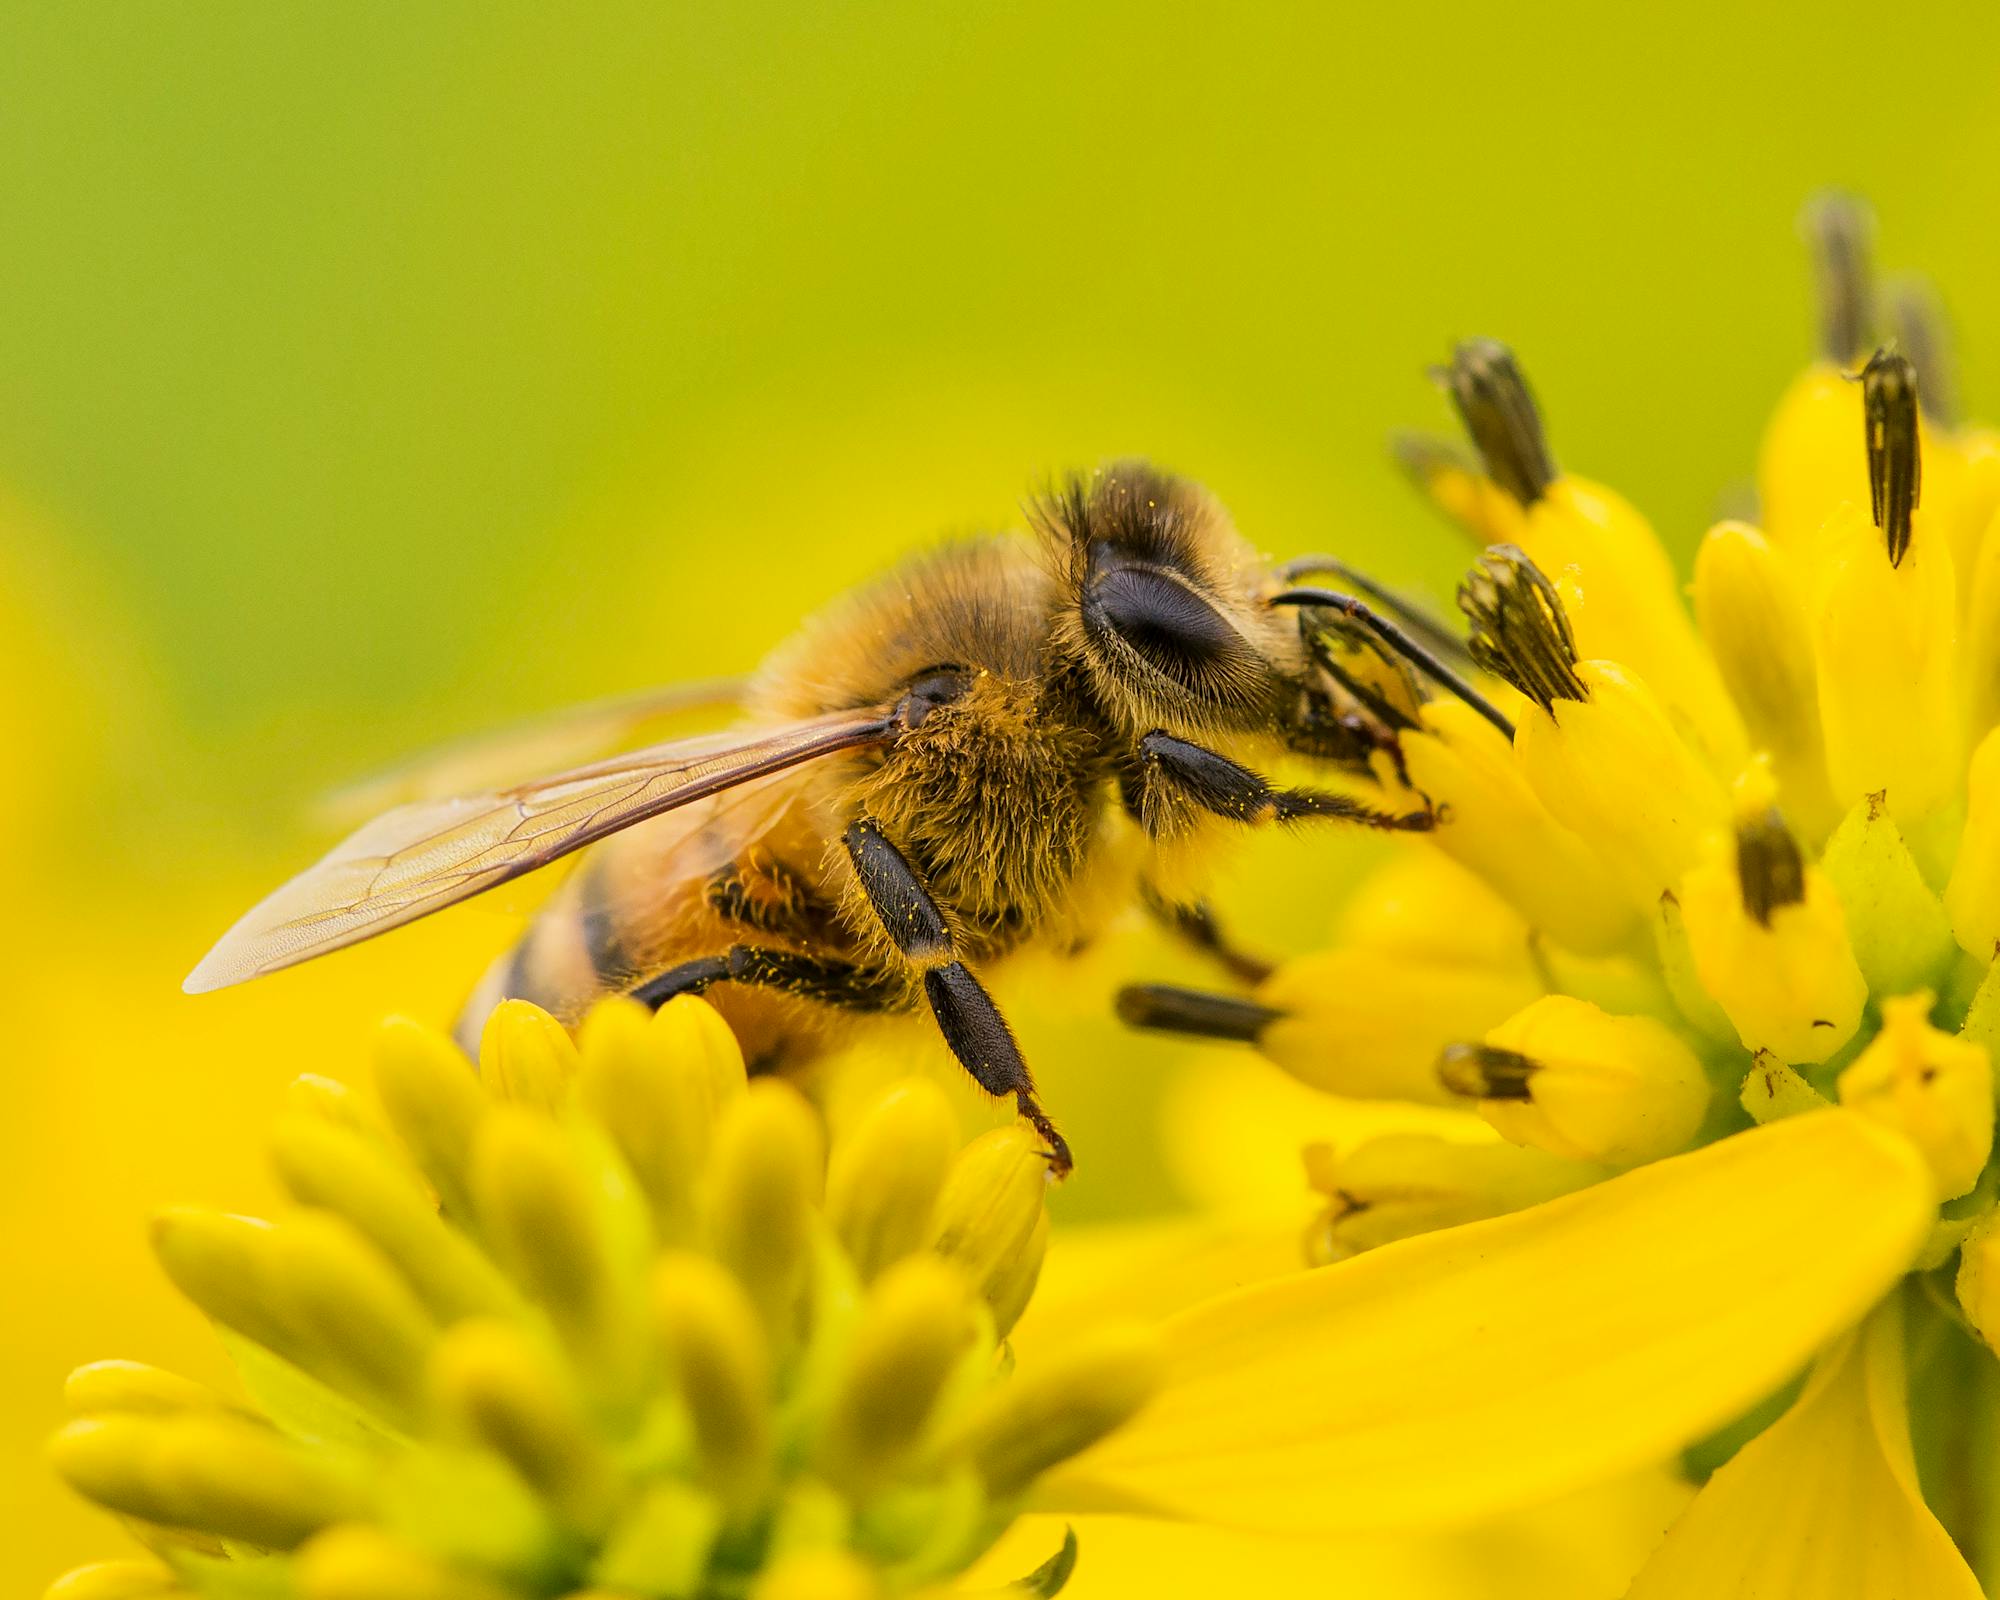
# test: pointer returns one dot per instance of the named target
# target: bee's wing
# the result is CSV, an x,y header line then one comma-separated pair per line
x,y
493,759
421,858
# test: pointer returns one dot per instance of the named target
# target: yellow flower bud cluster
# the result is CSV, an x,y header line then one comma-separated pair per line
x,y
602,1318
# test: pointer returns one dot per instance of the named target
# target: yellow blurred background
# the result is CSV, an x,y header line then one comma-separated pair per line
x,y
370,373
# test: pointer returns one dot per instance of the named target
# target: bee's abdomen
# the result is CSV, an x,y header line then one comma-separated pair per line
x,y
633,913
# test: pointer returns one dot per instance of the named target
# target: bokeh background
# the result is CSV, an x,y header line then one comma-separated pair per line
x,y
369,373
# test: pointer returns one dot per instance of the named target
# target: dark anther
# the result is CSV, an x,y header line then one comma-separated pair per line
x,y
1768,865
1484,1072
1400,642
1492,397
1840,231
1167,1008
1923,333
1519,630
1895,469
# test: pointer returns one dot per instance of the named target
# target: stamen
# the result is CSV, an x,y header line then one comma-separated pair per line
x,y
1923,332
1768,864
1493,399
1485,1072
1519,629
1167,1008
1841,230
1895,467
1399,641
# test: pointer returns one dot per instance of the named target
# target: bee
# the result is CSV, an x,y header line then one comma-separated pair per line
x,y
995,746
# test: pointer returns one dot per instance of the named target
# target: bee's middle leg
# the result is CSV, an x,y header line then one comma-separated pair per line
x,y
826,979
967,1017
1194,922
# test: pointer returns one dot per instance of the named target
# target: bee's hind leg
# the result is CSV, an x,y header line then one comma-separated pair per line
x,y
966,1015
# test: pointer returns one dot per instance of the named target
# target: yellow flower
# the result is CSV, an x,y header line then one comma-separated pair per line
x,y
601,1318
1734,941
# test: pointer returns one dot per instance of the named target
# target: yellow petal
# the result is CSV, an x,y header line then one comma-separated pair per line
x,y
1581,1547
1149,1271
1824,1504
1460,1373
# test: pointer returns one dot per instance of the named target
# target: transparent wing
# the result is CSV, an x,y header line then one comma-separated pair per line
x,y
504,755
421,858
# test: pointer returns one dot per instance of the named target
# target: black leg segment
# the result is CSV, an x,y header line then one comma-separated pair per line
x,y
1228,789
1195,923
966,1015
834,983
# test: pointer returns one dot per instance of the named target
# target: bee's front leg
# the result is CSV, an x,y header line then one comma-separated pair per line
x,y
966,1015
1212,782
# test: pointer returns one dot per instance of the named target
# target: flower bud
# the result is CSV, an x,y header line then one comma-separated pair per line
x,y
312,1094
1811,461
1565,1077
1491,822
1401,1184
915,1327
887,1173
209,1471
542,1219
226,1266
719,1357
1612,767
1972,897
1048,1413
1769,937
434,1103
373,1334
764,1181
491,1380
526,1056
659,1083
1623,601
361,1563
662,1542
137,1389
1885,640
331,1166
989,1216
1933,1088
1896,925
1369,1024
1754,619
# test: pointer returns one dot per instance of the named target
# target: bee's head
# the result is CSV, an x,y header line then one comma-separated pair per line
x,y
1165,601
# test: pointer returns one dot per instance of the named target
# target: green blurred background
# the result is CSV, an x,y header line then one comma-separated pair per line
x,y
371,372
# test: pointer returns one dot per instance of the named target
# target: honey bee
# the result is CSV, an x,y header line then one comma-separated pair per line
x,y
995,746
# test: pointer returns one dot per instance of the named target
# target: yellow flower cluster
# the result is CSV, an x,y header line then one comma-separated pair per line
x,y
602,1318
1699,872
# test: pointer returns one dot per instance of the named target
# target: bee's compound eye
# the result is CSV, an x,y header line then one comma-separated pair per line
x,y
934,687
1171,627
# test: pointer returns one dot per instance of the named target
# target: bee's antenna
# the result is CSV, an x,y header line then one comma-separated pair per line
x,y
1433,630
1399,641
